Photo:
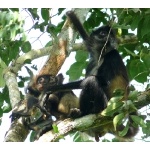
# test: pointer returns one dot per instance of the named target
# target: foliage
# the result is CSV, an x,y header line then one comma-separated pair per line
x,y
128,23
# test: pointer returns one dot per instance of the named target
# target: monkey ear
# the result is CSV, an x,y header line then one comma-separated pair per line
x,y
60,78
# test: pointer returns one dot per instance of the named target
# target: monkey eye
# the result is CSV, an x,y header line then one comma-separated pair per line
x,y
41,80
52,79
103,33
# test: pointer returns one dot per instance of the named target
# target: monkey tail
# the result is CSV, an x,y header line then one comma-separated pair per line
x,y
77,24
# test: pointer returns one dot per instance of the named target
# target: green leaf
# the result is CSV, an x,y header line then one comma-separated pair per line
x,y
1,100
136,10
60,10
145,29
1,112
112,108
145,57
118,92
146,130
6,108
138,120
114,99
15,9
125,130
77,137
52,30
118,119
14,50
45,14
75,70
13,33
26,47
4,96
55,128
81,137
136,20
138,71
133,95
34,13
128,105
49,44
81,56
32,136
130,52
123,26
27,61
2,67
21,84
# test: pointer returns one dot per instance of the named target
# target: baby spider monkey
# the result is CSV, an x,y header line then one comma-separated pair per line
x,y
57,104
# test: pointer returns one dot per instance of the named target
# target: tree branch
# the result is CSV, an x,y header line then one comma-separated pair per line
x,y
89,122
57,52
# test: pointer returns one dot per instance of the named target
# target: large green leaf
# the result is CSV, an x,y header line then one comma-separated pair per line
x,y
81,56
75,71
34,13
138,120
81,137
146,60
112,108
45,14
138,71
118,119
145,29
26,47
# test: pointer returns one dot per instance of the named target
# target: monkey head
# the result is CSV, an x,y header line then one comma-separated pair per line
x,y
41,82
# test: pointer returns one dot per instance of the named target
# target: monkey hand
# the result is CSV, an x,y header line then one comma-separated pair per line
x,y
74,113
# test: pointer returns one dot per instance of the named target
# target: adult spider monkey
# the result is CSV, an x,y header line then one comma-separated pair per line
x,y
105,73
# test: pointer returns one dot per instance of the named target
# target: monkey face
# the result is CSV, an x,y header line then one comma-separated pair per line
x,y
44,80
103,33
103,37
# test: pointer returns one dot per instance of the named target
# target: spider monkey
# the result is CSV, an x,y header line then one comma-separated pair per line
x,y
105,73
58,104
34,97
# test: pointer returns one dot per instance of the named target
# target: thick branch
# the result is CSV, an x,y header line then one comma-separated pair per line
x,y
17,132
90,121
63,45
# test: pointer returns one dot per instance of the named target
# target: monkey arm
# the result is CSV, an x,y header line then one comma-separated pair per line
x,y
77,24
65,87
